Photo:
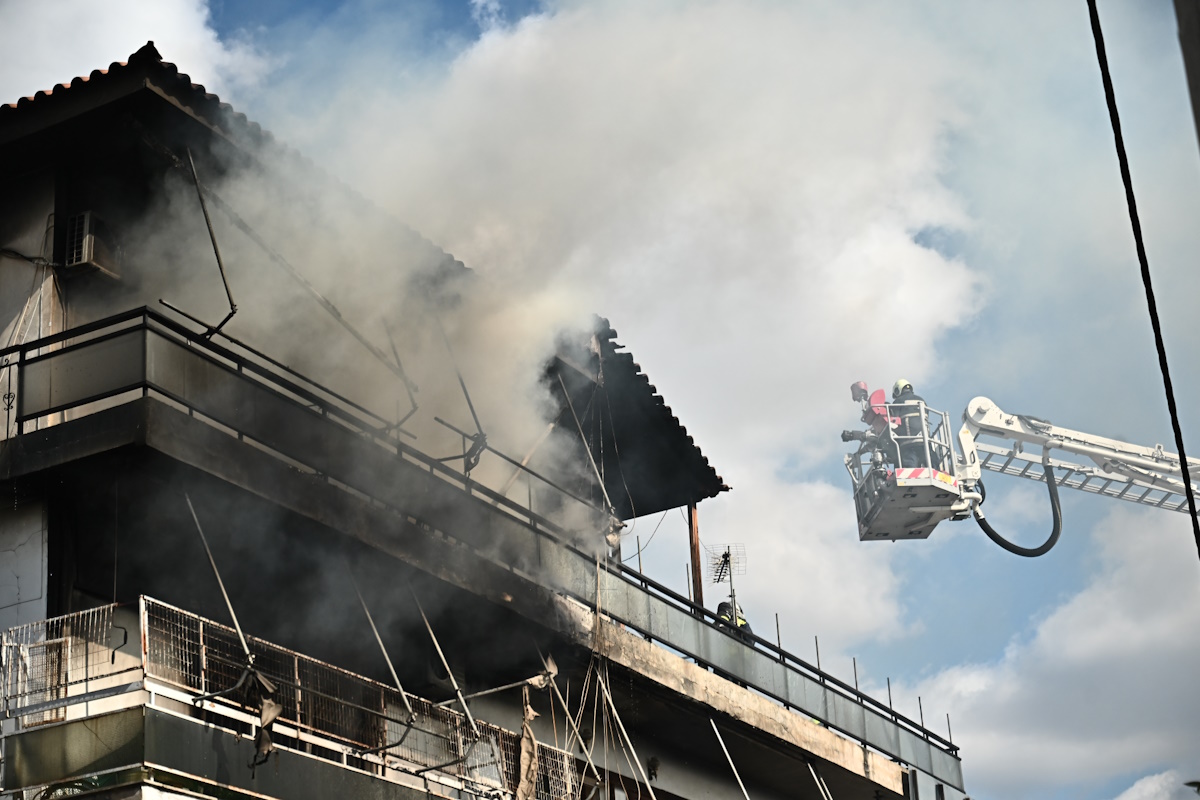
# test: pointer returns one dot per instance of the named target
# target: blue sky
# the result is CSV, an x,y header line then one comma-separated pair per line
x,y
771,201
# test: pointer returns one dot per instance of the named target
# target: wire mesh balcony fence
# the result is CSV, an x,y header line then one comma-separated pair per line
x,y
50,665
47,662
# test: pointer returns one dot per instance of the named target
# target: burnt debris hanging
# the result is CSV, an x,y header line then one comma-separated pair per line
x,y
540,681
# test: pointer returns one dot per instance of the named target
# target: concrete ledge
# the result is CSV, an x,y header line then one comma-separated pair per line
x,y
145,743
725,697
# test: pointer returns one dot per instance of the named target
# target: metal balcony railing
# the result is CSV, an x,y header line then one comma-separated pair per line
x,y
144,353
52,668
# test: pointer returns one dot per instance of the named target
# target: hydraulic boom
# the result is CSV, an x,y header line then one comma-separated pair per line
x,y
904,485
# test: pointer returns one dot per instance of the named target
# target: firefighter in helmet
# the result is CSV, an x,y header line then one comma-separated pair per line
x,y
908,407
731,615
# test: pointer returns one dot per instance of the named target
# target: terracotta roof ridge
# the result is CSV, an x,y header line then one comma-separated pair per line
x,y
147,62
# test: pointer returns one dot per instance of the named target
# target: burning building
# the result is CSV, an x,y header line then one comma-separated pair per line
x,y
260,539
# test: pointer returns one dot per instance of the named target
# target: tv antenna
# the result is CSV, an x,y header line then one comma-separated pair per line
x,y
725,561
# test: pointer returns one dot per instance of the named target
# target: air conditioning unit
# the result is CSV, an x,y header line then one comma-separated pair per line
x,y
90,247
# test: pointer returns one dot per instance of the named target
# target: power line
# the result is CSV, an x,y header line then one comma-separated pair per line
x,y
1151,305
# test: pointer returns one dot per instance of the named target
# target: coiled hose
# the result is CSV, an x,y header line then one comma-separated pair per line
x,y
1029,552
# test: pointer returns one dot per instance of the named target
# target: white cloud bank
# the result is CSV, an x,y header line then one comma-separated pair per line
x,y
1105,684
52,42
1167,785
738,186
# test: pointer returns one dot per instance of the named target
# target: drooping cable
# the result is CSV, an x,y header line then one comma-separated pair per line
x,y
1055,530
591,460
627,744
642,549
1151,305
616,449
574,726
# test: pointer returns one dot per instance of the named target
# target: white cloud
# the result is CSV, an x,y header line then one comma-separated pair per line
x,y
1104,686
738,186
53,42
488,14
745,217
1167,785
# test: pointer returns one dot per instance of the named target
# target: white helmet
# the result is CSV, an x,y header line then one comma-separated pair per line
x,y
899,387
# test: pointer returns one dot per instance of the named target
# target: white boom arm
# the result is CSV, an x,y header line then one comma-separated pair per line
x,y
1145,475
908,476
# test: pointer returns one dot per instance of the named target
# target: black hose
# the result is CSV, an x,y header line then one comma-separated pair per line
x,y
1029,552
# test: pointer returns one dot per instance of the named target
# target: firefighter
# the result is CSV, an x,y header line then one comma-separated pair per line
x,y
908,406
731,615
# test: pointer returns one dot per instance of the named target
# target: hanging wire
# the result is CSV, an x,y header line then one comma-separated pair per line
x,y
642,549
591,459
630,757
612,427
1151,305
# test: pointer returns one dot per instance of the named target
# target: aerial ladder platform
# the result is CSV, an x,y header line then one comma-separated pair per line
x,y
908,478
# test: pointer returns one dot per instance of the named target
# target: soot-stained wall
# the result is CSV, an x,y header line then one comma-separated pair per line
x,y
120,527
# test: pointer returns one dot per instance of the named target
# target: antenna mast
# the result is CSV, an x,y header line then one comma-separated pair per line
x,y
725,561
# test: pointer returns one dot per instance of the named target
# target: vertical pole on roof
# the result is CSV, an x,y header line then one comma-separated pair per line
x,y
694,543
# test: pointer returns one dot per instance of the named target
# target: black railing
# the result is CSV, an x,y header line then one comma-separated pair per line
x,y
647,583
